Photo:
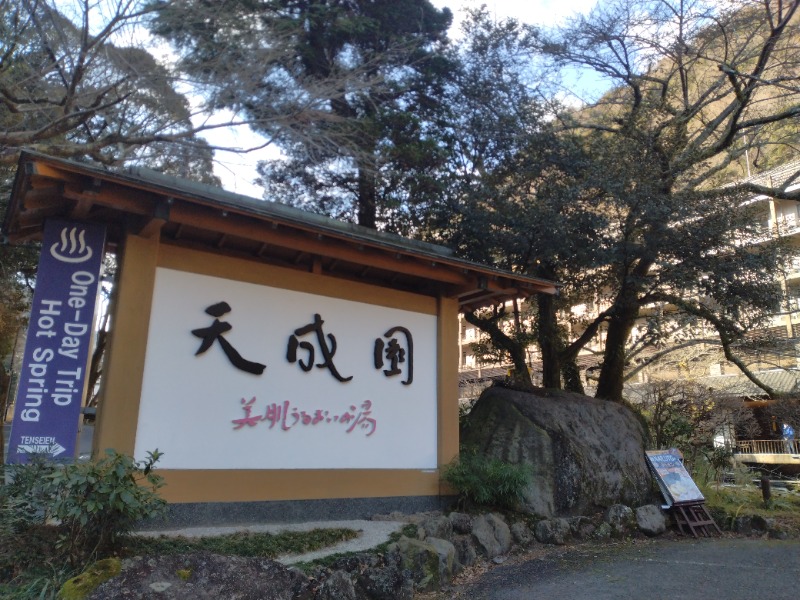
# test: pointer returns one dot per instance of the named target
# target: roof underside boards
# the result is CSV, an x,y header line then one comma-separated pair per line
x,y
193,215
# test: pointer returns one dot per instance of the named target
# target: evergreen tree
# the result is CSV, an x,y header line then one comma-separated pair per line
x,y
347,89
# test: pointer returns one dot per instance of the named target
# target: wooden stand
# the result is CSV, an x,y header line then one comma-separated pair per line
x,y
695,517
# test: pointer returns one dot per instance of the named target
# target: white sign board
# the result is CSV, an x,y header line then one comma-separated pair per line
x,y
245,376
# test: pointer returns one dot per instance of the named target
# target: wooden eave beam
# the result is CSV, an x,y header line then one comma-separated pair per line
x,y
236,225
484,297
119,199
81,209
152,229
40,197
37,168
25,234
35,217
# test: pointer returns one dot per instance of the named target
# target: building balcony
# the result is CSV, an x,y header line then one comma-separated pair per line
x,y
768,452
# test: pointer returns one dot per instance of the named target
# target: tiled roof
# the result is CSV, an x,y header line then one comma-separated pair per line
x,y
781,380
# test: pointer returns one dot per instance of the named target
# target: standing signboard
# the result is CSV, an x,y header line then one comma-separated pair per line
x,y
676,485
53,374
684,499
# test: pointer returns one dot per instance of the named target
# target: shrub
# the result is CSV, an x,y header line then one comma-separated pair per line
x,y
24,498
26,544
484,481
86,505
98,501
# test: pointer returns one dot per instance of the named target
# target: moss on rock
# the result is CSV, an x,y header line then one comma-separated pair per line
x,y
84,584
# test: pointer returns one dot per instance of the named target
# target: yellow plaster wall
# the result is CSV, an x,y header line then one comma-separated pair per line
x,y
118,413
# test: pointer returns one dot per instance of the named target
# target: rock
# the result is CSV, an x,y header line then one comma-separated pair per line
x,y
743,525
758,525
575,524
461,522
620,518
448,564
353,563
421,559
586,531
522,534
581,528
552,531
419,518
466,554
392,516
761,524
437,527
585,454
778,532
602,531
651,520
209,576
338,586
389,582
491,534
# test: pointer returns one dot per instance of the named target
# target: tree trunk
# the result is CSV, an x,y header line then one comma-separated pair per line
x,y
367,195
549,342
2,441
622,318
612,373
572,377
515,350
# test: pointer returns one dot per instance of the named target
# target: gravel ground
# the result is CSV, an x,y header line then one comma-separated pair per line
x,y
371,534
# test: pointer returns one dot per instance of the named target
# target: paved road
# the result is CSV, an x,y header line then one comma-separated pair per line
x,y
729,569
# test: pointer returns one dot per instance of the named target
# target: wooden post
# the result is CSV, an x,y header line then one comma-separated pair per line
x,y
766,489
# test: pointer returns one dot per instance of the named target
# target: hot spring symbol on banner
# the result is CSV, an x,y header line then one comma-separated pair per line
x,y
53,374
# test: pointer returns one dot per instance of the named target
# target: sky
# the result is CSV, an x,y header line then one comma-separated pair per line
x,y
238,171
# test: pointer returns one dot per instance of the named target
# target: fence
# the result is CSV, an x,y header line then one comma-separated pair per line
x,y
768,447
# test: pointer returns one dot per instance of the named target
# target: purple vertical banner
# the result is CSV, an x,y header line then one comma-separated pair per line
x,y
53,374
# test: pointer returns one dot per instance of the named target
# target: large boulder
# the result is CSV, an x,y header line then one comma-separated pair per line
x,y
585,454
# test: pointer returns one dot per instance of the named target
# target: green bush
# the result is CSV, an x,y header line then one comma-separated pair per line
x,y
489,482
98,501
85,506
24,498
29,565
